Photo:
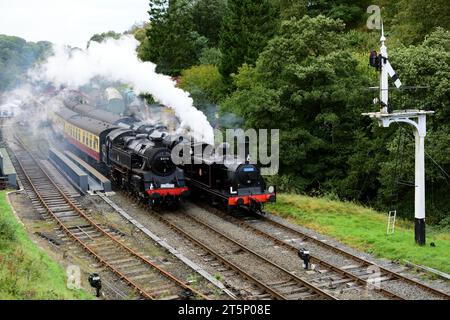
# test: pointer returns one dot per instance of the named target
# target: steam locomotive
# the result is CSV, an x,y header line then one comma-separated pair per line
x,y
142,163
137,160
225,179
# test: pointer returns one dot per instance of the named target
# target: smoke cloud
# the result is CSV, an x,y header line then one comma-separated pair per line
x,y
12,101
116,60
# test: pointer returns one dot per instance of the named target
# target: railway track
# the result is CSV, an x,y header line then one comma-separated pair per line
x,y
106,245
281,234
333,272
358,270
273,281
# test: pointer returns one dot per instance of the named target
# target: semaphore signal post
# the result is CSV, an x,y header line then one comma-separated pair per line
x,y
415,118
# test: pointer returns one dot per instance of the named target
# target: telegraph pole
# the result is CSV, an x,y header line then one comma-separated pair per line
x,y
415,118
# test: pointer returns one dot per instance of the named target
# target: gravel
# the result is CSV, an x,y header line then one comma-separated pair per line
x,y
258,243
405,290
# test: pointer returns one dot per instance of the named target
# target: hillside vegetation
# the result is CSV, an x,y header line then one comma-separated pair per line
x,y
302,67
26,271
16,57
365,229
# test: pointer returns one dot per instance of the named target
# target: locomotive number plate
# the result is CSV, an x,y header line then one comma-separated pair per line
x,y
167,186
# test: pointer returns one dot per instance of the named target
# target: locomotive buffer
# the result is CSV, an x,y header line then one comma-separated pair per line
x,y
416,118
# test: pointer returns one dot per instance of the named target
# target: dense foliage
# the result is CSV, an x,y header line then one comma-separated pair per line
x,y
204,82
415,19
304,79
16,56
173,43
349,11
208,16
246,28
102,36
302,67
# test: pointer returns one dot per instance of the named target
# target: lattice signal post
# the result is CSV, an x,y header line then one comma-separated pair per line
x,y
416,118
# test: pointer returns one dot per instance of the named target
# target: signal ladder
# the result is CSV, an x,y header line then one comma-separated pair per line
x,y
391,222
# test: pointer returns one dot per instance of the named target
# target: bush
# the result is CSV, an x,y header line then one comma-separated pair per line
x,y
6,231
211,56
205,81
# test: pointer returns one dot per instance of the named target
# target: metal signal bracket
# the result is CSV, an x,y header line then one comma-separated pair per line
x,y
418,120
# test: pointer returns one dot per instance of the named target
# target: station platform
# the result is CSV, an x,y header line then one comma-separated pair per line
x,y
69,169
8,175
81,174
97,181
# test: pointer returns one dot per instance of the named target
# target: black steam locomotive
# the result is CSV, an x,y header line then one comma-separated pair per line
x,y
142,163
137,160
226,179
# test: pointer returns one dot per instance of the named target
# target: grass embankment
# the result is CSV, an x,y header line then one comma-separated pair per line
x,y
26,271
365,229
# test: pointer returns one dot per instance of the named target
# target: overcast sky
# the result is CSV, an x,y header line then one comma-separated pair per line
x,y
70,22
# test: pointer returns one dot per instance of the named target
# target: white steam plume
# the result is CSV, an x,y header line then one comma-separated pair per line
x,y
116,60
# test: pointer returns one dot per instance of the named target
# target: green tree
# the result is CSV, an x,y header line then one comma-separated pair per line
x,y
415,19
247,27
173,44
16,57
208,16
100,37
349,11
427,64
291,8
382,156
204,82
140,35
304,84
211,56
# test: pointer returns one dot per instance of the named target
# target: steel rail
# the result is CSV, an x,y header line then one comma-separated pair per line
x,y
293,248
236,268
363,261
101,230
287,272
